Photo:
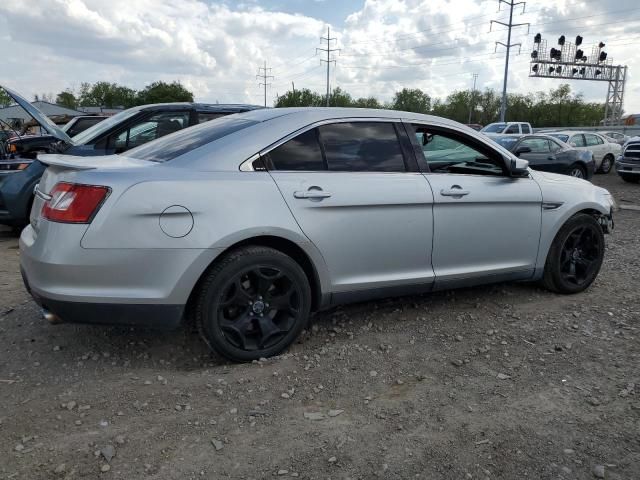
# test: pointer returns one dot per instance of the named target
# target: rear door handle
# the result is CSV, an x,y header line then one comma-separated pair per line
x,y
312,194
455,191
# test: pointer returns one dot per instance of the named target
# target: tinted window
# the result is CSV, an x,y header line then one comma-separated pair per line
x,y
578,140
525,128
362,147
537,145
91,133
172,146
300,153
156,126
512,129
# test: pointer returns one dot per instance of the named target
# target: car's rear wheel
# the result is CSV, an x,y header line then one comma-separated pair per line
x,y
575,256
253,303
630,178
607,163
577,171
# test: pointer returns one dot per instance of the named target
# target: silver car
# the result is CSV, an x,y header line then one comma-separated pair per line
x,y
251,222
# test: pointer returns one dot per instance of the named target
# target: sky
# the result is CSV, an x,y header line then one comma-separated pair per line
x,y
216,47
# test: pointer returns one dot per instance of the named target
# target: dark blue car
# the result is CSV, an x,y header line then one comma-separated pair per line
x,y
128,129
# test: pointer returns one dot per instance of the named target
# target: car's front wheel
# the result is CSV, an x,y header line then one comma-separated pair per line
x,y
253,303
607,163
577,171
575,256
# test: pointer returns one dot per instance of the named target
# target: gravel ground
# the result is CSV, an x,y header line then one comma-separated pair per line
x,y
505,381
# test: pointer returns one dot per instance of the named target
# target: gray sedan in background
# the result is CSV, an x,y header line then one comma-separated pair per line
x,y
250,222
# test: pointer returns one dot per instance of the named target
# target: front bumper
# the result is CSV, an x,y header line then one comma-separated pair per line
x,y
625,167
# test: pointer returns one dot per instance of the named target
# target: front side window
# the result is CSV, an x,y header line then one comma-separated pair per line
x,y
525,128
512,129
362,147
555,146
537,145
494,128
301,153
446,152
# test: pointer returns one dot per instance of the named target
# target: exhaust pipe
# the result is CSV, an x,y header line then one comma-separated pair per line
x,y
50,317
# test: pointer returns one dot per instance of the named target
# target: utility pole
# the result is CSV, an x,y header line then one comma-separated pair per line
x,y
329,51
512,4
263,75
473,96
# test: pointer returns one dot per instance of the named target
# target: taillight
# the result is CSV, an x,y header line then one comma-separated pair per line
x,y
74,203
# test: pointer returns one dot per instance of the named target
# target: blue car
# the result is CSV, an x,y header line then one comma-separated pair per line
x,y
130,128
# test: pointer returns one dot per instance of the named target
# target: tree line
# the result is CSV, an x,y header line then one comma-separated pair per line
x,y
112,95
559,107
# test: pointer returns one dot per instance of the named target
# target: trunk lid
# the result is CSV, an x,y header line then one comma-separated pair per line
x,y
60,165
44,121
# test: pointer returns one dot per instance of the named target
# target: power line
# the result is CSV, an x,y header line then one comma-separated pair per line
x,y
508,45
264,77
329,51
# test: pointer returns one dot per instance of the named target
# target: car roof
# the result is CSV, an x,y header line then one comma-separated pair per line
x,y
201,107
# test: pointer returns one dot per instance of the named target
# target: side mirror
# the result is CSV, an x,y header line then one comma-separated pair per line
x,y
521,150
519,167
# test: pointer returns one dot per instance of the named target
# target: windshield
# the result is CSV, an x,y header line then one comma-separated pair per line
x,y
560,136
506,142
98,129
178,143
494,128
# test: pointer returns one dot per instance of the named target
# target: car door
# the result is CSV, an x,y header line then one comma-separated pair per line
x,y
486,224
596,145
353,192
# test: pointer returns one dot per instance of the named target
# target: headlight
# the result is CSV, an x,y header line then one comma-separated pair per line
x,y
13,148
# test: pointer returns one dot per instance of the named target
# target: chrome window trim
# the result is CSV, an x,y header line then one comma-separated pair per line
x,y
247,165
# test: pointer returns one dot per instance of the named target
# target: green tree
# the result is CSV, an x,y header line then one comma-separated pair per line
x,y
368,102
5,99
162,92
411,100
105,94
67,99
339,98
298,98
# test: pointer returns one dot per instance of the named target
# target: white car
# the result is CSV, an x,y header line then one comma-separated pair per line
x,y
616,137
507,128
604,152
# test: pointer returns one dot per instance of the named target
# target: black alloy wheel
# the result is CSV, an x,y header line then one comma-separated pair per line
x,y
253,304
575,256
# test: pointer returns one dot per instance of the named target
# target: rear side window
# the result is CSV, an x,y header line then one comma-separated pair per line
x,y
362,147
300,153
592,140
172,146
578,140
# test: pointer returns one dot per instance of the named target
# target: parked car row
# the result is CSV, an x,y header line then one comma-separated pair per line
x,y
117,134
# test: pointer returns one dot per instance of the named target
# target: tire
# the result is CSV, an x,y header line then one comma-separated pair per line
x,y
630,178
579,248
578,171
607,163
234,310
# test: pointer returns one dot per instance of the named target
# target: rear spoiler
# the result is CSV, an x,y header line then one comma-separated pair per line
x,y
73,162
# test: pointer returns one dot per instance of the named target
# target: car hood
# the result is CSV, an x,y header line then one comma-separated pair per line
x,y
44,121
564,188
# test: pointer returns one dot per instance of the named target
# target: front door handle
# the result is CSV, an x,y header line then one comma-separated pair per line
x,y
454,191
312,194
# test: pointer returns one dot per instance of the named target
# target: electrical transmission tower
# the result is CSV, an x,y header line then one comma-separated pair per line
x,y
329,60
473,96
263,75
512,4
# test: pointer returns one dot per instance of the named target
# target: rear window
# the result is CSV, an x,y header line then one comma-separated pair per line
x,y
178,143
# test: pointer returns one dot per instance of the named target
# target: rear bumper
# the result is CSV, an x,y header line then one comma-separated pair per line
x,y
163,317
108,286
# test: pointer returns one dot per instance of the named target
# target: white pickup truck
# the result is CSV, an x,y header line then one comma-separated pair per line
x,y
507,128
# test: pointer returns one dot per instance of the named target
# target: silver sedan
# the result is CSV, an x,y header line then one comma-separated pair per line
x,y
251,222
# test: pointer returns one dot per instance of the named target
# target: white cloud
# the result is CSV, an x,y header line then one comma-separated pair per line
x,y
215,49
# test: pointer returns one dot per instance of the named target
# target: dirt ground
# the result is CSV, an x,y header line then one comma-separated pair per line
x,y
497,382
